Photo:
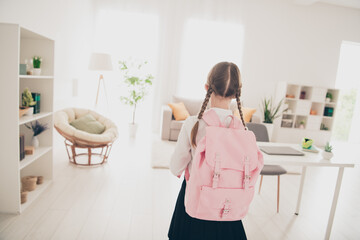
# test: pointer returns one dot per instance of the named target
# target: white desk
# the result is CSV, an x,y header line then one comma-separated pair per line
x,y
342,158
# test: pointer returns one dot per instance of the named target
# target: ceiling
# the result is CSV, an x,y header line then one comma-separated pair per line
x,y
343,3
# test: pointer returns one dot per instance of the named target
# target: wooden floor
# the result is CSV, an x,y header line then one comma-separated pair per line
x,y
127,199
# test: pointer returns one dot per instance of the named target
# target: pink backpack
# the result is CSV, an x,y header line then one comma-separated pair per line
x,y
224,171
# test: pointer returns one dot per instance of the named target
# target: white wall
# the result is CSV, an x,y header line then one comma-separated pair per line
x,y
70,24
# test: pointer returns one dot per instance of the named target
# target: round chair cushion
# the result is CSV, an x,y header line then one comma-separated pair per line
x,y
63,118
273,170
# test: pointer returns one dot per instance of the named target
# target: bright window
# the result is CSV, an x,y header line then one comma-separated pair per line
x,y
206,43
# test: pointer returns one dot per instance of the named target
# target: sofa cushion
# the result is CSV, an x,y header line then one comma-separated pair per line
x,y
176,124
179,111
88,124
247,113
192,105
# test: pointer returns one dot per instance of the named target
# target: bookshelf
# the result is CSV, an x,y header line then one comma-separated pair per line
x,y
16,45
309,113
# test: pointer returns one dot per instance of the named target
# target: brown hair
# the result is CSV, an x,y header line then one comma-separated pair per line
x,y
223,80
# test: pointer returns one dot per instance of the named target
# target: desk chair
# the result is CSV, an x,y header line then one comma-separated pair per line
x,y
261,135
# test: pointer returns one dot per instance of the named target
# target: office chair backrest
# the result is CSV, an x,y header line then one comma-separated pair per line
x,y
260,131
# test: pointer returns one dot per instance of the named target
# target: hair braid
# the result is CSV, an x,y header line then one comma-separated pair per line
x,y
202,110
237,95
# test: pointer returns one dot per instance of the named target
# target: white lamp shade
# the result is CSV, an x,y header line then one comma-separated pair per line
x,y
100,62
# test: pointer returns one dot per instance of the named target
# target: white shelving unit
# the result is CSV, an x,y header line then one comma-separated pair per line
x,y
307,114
16,45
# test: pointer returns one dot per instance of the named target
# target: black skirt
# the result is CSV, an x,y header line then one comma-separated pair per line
x,y
184,227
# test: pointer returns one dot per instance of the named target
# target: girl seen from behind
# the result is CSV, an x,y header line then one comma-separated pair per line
x,y
221,162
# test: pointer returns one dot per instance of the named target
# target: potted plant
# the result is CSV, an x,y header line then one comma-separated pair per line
x,y
28,101
37,128
329,97
327,153
302,124
37,65
271,113
138,85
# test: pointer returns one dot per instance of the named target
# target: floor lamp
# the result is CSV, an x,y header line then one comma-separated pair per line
x,y
100,62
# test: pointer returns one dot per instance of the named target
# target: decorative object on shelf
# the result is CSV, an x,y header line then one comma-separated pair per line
x,y
100,62
329,97
307,143
24,197
29,183
28,64
29,150
22,146
327,153
328,111
37,65
37,128
138,84
40,180
302,95
28,101
302,124
22,69
287,123
290,96
323,127
313,112
36,97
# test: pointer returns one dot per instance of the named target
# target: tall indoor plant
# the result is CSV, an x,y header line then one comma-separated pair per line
x,y
271,112
138,85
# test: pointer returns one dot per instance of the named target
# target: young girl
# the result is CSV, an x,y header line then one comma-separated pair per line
x,y
223,84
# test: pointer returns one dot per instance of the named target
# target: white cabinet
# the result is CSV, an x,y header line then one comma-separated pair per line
x,y
16,45
310,114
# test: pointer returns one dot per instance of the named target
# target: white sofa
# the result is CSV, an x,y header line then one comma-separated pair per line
x,y
170,128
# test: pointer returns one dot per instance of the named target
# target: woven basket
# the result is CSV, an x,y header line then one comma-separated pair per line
x,y
29,183
40,180
23,197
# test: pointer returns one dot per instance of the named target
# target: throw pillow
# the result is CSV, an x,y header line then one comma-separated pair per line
x,y
247,113
88,123
179,111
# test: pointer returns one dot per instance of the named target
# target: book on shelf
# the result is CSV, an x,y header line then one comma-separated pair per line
x,y
36,97
22,146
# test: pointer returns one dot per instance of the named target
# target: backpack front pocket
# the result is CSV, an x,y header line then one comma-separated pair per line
x,y
224,204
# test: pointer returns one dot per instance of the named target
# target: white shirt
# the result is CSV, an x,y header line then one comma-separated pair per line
x,y
184,152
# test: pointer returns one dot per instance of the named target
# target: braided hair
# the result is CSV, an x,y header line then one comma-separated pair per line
x,y
223,80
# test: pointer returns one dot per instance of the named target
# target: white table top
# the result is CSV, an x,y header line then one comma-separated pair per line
x,y
343,157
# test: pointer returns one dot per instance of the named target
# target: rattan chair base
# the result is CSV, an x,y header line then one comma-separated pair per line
x,y
72,154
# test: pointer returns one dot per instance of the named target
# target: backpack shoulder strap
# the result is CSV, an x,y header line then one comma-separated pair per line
x,y
211,118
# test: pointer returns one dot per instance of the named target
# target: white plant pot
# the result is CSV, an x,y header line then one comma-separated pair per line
x,y
327,155
30,111
35,142
37,71
327,100
132,129
270,129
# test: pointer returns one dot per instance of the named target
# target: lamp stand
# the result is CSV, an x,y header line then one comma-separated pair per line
x,y
101,80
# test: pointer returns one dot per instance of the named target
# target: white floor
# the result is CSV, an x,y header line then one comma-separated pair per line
x,y
127,199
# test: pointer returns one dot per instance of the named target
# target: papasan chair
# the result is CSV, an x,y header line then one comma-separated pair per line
x,y
96,144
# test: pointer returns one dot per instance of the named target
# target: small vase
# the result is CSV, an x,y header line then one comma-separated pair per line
x,y
133,129
270,129
327,155
35,142
37,71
